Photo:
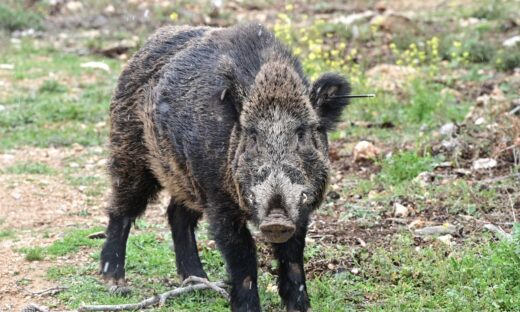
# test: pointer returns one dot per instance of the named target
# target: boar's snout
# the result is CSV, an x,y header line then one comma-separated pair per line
x,y
277,227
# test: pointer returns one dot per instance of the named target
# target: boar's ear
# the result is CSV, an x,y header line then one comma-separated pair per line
x,y
325,99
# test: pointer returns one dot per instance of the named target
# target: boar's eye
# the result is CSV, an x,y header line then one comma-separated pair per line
x,y
300,132
251,134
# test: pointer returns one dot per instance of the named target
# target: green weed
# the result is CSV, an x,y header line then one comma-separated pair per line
x,y
404,166
30,168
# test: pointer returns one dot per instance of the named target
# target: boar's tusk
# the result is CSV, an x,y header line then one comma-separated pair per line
x,y
223,94
250,198
304,198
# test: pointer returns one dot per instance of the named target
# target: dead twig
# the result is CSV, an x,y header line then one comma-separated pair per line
x,y
501,234
33,307
52,291
161,298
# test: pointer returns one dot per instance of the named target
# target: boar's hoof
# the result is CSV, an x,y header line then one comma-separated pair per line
x,y
118,287
277,229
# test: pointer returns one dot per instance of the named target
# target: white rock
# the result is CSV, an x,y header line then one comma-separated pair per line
x,y
425,178
365,150
448,129
74,6
511,42
109,9
400,211
355,271
484,163
7,66
446,239
352,18
480,121
96,65
2,108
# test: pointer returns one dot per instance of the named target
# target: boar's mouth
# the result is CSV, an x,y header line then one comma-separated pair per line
x,y
277,228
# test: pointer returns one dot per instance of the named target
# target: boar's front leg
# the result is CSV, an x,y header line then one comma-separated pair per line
x,y
183,222
291,275
238,249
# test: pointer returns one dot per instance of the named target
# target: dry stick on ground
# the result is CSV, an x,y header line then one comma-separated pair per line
x,y
161,299
51,291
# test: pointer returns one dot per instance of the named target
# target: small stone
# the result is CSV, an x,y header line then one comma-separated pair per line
x,y
511,42
330,266
425,178
109,9
446,239
400,211
7,66
480,121
96,65
448,129
355,271
74,6
437,230
365,150
484,163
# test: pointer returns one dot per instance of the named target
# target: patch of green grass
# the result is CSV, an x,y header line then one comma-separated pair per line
x,y
6,233
34,253
30,168
475,277
52,86
404,166
16,18
62,111
73,241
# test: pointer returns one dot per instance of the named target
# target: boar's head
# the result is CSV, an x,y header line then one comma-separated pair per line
x,y
280,164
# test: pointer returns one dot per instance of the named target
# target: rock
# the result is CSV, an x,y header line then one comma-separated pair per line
x,y
484,163
425,178
355,271
415,223
480,121
16,195
390,77
468,22
394,23
365,150
437,230
400,211
96,65
109,9
448,129
7,66
446,239
333,195
511,42
2,108
353,18
462,172
74,6
450,144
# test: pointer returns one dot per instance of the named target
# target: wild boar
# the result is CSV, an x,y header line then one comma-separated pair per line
x,y
226,122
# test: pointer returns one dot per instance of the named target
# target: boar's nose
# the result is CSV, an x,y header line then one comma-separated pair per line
x,y
277,227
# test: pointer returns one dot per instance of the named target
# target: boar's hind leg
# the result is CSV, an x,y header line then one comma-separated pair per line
x,y
130,195
291,276
183,222
238,248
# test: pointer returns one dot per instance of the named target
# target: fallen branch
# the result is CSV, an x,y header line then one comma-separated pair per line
x,y
501,234
33,307
52,291
161,298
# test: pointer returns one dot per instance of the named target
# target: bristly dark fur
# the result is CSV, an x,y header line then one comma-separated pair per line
x,y
224,120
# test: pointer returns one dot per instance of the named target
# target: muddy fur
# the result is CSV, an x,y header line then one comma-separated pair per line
x,y
226,122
